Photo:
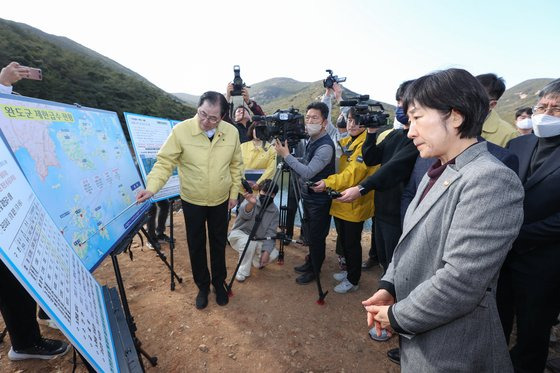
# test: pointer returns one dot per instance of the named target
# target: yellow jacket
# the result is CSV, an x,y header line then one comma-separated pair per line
x,y
209,172
256,158
352,170
497,130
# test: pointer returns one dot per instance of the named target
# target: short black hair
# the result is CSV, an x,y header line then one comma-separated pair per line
x,y
268,186
250,131
402,88
452,89
214,98
495,86
551,89
244,108
321,106
523,110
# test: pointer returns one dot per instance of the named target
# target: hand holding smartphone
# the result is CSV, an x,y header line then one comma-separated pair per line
x,y
33,73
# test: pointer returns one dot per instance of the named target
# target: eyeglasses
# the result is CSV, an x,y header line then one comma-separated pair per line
x,y
554,110
212,119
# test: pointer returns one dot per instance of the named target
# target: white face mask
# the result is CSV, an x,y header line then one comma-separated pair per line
x,y
545,125
525,124
313,128
397,125
211,132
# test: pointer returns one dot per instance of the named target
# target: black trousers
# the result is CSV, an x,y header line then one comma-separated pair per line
x,y
373,249
529,289
317,224
350,235
158,212
19,311
196,219
386,238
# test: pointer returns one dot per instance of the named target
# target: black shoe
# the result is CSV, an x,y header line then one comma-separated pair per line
x,y
370,263
305,267
306,278
221,296
155,246
164,238
45,349
394,355
201,299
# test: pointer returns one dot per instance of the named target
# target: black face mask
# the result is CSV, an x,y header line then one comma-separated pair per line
x,y
262,198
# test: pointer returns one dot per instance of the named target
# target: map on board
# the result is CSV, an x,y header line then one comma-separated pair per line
x,y
33,249
79,165
148,134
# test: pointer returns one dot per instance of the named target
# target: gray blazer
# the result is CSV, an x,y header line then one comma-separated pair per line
x,y
446,265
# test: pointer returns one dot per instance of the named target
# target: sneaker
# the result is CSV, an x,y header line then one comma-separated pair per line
x,y
370,263
379,338
239,277
47,322
305,267
164,238
345,287
45,349
305,278
340,276
154,246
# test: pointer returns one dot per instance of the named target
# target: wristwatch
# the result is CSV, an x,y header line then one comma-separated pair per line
x,y
362,190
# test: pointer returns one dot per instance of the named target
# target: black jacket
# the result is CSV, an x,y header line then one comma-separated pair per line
x,y
396,154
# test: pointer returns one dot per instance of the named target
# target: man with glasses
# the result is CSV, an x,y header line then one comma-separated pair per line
x,y
207,154
317,164
529,283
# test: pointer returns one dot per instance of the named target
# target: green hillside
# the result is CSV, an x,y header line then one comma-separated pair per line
x,y
73,73
521,95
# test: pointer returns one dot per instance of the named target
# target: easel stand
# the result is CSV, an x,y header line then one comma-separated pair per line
x,y
161,255
125,245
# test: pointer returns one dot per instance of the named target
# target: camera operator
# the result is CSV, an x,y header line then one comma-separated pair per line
x,y
318,163
242,117
349,217
397,155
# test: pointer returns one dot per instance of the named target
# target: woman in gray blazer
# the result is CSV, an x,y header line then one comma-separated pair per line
x,y
439,290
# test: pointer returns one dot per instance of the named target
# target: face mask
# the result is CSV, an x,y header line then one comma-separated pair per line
x,y
262,199
211,132
313,128
401,116
397,125
343,134
525,124
546,125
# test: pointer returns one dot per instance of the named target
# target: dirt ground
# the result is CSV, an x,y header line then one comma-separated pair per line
x,y
271,324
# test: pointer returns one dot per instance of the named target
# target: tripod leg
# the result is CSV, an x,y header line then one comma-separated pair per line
x,y
171,244
162,256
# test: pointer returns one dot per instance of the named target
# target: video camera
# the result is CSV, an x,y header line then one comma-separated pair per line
x,y
365,115
238,83
282,125
331,79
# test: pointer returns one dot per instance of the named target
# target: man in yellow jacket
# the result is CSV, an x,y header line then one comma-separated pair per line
x,y
207,154
349,217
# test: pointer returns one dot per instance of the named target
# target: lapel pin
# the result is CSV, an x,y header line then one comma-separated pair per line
x,y
446,183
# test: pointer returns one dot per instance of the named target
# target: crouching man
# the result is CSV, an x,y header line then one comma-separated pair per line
x,y
259,252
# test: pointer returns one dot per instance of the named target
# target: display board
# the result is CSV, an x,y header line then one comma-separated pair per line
x,y
78,163
148,135
33,249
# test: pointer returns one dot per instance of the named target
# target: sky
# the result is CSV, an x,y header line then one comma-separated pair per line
x,y
191,46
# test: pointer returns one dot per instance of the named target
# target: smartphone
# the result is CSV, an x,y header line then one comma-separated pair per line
x,y
33,73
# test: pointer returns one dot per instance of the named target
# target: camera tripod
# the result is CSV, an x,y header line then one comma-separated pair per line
x,y
281,168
